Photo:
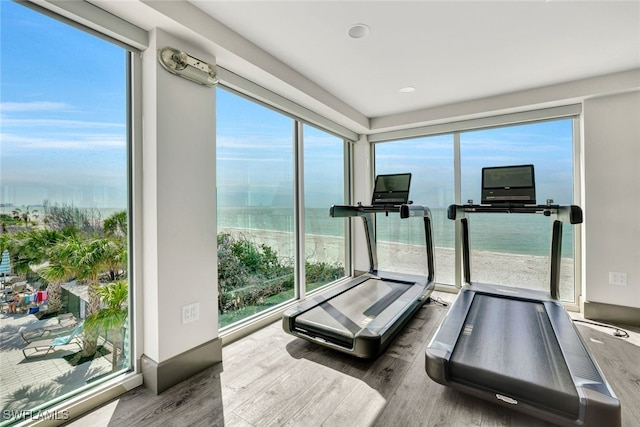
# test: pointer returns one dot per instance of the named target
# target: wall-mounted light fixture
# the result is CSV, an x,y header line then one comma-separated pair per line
x,y
184,65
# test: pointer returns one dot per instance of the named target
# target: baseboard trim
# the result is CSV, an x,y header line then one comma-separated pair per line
x,y
158,377
618,314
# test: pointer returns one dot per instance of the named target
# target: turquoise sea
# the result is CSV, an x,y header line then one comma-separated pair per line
x,y
526,234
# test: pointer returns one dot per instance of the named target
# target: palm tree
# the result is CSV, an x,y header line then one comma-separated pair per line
x,y
116,225
24,252
32,247
113,317
25,215
38,251
89,258
115,228
58,269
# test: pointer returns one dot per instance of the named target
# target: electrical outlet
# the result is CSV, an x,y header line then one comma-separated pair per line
x,y
619,279
190,312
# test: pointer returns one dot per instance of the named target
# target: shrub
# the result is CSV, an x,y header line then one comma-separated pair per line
x,y
320,273
250,273
87,221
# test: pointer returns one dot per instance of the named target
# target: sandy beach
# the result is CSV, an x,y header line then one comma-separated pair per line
x,y
525,271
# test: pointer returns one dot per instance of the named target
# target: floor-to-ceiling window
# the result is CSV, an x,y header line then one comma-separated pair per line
x,y
324,185
506,249
255,176
401,243
64,201
258,174
514,249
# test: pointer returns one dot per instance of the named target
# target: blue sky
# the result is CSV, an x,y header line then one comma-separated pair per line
x,y
62,113
63,134
547,145
255,157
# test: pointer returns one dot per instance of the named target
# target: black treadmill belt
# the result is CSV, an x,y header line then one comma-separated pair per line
x,y
396,289
340,318
348,324
508,347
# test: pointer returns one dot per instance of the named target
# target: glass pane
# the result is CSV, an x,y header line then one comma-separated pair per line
x,y
513,250
63,203
255,207
401,243
324,184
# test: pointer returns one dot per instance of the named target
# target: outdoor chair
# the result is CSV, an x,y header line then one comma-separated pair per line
x,y
48,344
49,328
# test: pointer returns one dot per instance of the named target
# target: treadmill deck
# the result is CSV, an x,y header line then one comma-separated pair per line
x,y
508,346
361,316
344,316
519,348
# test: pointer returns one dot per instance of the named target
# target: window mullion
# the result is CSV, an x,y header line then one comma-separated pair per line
x,y
298,210
457,179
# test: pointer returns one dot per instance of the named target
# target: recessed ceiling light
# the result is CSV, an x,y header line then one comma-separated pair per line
x,y
358,31
407,89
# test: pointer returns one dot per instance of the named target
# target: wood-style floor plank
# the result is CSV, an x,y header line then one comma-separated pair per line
x,y
273,379
619,360
283,394
313,410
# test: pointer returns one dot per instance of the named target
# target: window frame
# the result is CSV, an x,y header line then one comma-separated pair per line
x,y
94,21
300,117
571,111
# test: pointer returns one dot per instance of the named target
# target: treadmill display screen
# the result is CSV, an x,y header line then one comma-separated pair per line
x,y
391,189
508,184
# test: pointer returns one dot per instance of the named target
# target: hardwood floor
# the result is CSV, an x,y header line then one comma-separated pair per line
x,y
273,379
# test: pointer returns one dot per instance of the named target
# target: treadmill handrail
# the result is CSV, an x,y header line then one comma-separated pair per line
x,y
406,210
559,214
565,213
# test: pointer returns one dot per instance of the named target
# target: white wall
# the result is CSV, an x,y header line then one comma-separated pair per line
x,y
611,155
179,205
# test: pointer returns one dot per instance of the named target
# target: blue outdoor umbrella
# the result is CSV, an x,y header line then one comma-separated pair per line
x,y
5,264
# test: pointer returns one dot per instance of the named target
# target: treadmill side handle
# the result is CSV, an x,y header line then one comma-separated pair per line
x,y
575,215
452,211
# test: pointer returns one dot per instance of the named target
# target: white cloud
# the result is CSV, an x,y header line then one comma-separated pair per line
x,y
250,159
31,123
11,142
33,106
254,142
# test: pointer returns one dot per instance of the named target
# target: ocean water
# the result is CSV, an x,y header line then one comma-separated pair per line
x,y
524,234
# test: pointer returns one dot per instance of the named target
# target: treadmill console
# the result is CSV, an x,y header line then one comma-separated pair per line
x,y
391,189
514,185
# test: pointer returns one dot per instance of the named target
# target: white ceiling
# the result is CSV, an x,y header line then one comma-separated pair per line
x,y
449,51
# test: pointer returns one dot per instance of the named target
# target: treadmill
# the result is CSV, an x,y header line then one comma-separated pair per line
x,y
362,315
518,347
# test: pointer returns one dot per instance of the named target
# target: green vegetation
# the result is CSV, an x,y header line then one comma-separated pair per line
x,y
112,318
251,277
8,220
71,244
25,215
85,221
